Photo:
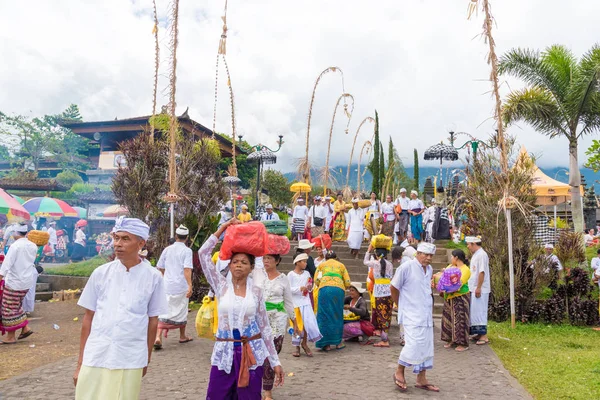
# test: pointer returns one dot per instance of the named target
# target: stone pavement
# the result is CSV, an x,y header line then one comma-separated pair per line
x,y
356,372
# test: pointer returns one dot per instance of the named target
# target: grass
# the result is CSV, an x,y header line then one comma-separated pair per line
x,y
82,268
550,361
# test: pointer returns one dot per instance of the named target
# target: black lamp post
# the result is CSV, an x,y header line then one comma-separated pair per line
x,y
262,155
473,142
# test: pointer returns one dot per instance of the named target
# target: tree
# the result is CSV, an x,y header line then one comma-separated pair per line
x,y
398,178
374,166
561,99
278,187
382,169
68,178
593,152
4,153
416,170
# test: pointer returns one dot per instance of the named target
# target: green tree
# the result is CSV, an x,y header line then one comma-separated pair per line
x,y
4,153
382,169
277,185
69,178
416,170
561,99
400,178
593,153
374,165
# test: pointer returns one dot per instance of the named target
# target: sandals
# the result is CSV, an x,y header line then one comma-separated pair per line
x,y
340,347
297,352
15,342
460,349
307,351
429,387
448,345
400,385
482,342
186,340
382,344
25,335
326,348
158,346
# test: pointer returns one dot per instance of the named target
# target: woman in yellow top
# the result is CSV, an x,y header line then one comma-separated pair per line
x,y
339,220
244,216
332,280
455,317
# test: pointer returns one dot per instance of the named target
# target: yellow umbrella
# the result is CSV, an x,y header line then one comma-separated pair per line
x,y
300,187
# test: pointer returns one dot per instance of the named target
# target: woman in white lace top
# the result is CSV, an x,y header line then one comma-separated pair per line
x,y
244,339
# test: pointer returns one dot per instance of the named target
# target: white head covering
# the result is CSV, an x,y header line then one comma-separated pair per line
x,y
426,248
355,200
300,257
549,246
327,198
433,201
358,287
473,239
414,192
405,244
182,230
403,190
305,244
269,207
300,199
244,207
22,228
134,226
317,198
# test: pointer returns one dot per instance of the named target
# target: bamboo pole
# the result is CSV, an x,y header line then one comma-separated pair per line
x,y
349,115
367,119
156,65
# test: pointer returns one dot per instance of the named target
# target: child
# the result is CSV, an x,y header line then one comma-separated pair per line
x,y
301,284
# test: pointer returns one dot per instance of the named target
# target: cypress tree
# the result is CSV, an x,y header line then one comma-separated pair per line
x,y
382,170
390,153
416,171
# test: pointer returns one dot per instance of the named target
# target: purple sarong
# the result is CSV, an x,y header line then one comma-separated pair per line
x,y
223,386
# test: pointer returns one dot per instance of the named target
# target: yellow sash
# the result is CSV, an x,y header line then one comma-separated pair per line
x,y
383,281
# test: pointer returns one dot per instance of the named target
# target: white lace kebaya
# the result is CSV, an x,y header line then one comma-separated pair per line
x,y
233,310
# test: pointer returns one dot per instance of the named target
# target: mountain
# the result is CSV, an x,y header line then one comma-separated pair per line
x,y
558,173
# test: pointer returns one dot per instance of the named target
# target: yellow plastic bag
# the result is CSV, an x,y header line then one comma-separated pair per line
x,y
205,319
382,242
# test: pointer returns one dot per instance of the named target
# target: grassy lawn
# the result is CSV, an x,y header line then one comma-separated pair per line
x,y
82,268
550,361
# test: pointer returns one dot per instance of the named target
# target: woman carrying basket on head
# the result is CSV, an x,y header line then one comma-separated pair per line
x,y
383,270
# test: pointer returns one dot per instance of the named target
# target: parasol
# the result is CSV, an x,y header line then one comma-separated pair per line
x,y
114,211
81,212
300,187
263,156
49,207
441,152
11,208
20,200
232,180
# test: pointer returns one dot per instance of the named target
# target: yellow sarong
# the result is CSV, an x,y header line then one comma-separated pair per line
x,y
299,321
102,384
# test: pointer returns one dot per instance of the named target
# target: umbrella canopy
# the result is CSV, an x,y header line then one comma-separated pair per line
x,y
11,208
441,152
114,211
81,212
20,200
49,207
300,187
232,180
264,156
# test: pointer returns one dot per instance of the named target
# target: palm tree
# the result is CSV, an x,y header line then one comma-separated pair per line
x,y
561,98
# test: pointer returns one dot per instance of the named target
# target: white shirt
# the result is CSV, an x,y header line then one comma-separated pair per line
x,y
53,239
553,259
80,237
587,238
403,202
123,302
296,282
224,217
269,217
317,212
355,220
375,208
300,212
174,259
416,303
595,264
17,268
415,204
379,289
480,262
387,209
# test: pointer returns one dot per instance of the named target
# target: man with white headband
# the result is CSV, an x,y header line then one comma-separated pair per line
x,y
122,301
402,215
480,288
411,290
354,227
175,263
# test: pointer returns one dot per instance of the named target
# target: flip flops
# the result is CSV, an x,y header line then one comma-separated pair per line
x,y
482,342
400,385
8,342
186,340
429,387
25,335
157,346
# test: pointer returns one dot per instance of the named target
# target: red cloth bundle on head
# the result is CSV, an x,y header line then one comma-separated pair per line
x,y
323,241
250,238
277,245
81,223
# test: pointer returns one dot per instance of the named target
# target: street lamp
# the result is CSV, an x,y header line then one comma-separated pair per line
x,y
263,155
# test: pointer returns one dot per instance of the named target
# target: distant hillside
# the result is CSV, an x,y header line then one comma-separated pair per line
x,y
557,173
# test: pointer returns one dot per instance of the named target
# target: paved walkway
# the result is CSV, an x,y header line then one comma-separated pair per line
x,y
357,372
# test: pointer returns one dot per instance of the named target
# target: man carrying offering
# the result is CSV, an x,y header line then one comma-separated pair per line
x,y
175,263
123,299
411,290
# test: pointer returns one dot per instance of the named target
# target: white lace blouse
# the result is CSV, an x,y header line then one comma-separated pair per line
x,y
248,313
380,289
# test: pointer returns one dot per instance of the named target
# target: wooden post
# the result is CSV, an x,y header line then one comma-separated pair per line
x,y
511,267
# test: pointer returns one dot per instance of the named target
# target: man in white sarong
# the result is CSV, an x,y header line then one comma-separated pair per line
x,y
428,220
122,301
329,211
176,265
354,227
480,288
402,215
411,290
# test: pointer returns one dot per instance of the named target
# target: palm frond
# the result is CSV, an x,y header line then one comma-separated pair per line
x,y
536,107
303,170
558,62
591,117
585,83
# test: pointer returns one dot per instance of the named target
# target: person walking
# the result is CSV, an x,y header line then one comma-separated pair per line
x,y
383,270
388,215
480,288
373,217
416,209
455,316
122,301
354,228
175,264
79,244
402,216
329,212
429,221
299,218
317,216
411,290
339,220
16,275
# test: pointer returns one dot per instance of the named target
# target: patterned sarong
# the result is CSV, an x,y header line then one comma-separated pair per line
x,y
455,320
382,313
339,228
330,316
12,315
268,372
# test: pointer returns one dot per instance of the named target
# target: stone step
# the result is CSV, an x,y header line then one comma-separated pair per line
x,y
42,287
43,296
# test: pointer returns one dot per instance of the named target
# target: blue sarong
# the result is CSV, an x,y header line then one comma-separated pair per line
x,y
416,226
330,316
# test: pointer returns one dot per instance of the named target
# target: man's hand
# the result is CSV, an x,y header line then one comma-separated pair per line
x,y
278,375
76,375
478,292
144,371
189,292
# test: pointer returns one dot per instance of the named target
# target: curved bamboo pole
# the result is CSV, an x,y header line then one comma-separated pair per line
x,y
304,165
349,115
172,101
367,119
366,147
156,65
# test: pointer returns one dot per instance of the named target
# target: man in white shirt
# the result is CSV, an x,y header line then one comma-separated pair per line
x,y
411,290
175,263
552,258
402,216
589,237
123,300
52,241
17,272
355,227
329,212
269,215
317,216
480,288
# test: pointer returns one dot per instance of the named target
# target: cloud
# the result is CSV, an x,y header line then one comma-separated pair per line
x,y
421,64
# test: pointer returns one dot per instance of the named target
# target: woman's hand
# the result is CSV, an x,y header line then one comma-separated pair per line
x,y
278,375
370,248
346,306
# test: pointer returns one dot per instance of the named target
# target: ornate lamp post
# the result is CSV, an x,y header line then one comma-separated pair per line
x,y
473,142
262,155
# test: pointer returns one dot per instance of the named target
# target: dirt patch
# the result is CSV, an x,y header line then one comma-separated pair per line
x,y
49,344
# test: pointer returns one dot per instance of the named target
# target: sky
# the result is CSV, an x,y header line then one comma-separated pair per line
x,y
421,64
